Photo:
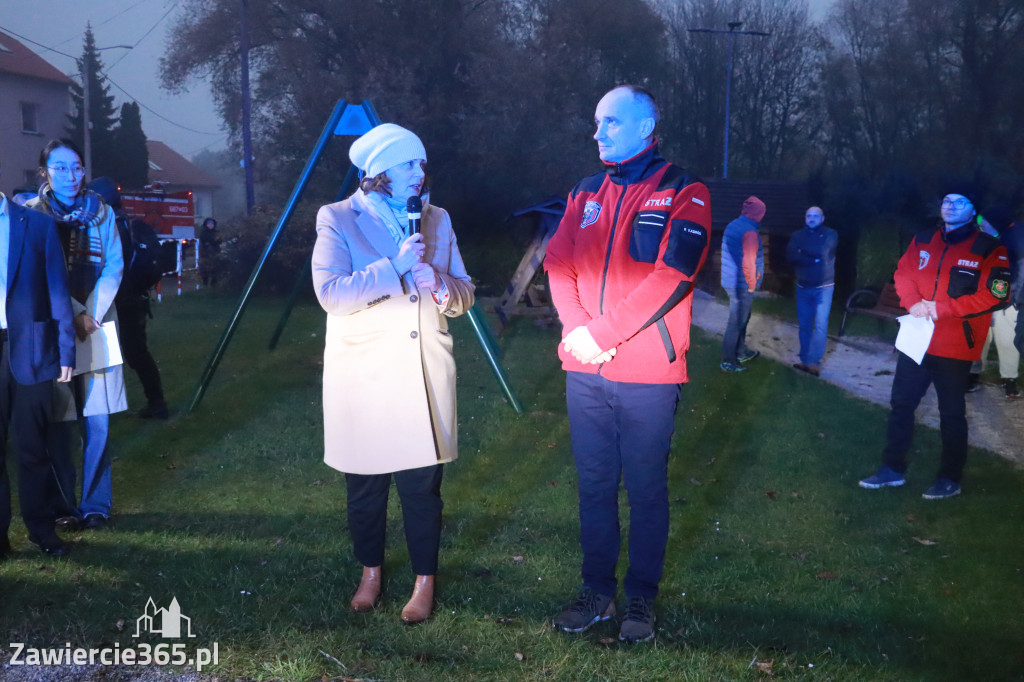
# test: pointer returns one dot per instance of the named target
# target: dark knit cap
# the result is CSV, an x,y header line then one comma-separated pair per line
x,y
753,208
107,189
964,188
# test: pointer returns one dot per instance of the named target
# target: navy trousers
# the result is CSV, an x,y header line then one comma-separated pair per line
x,y
951,378
419,491
622,431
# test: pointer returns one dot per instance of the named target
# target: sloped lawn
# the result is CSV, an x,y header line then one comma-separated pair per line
x,y
779,566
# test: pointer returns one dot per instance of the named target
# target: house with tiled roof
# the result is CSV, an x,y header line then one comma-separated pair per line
x,y
34,109
175,173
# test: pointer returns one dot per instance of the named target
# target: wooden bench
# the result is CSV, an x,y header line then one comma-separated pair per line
x,y
884,305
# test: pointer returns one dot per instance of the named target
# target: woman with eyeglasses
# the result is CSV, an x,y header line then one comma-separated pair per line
x,y
92,251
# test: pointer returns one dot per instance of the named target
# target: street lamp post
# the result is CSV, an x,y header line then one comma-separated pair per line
x,y
243,48
86,102
732,33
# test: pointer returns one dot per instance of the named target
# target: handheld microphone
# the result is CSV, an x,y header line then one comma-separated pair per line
x,y
414,207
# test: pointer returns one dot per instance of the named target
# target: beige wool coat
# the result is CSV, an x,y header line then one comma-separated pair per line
x,y
389,372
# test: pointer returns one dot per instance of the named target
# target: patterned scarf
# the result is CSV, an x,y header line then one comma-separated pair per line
x,y
79,229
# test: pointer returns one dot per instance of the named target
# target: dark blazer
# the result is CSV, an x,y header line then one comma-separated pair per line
x,y
38,303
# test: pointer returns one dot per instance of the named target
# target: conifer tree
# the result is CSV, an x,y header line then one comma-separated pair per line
x,y
130,143
102,113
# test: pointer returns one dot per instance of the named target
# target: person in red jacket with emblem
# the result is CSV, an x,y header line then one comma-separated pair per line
x,y
957,276
621,267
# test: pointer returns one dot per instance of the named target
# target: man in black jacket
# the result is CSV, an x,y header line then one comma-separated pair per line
x,y
812,251
133,309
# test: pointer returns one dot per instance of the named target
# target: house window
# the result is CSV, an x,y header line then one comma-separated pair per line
x,y
29,117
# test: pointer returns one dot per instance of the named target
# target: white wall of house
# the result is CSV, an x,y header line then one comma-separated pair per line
x,y
202,201
32,112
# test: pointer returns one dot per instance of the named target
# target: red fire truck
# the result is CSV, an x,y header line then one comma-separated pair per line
x,y
170,214
172,217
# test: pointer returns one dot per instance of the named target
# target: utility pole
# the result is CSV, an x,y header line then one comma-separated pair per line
x,y
243,48
732,33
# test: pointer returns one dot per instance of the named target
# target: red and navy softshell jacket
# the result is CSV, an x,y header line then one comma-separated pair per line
x,y
967,274
623,262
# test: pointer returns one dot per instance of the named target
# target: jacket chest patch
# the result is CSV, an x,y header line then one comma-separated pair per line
x,y
591,212
655,203
922,260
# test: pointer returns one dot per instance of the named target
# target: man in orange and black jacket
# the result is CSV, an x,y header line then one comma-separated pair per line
x,y
957,276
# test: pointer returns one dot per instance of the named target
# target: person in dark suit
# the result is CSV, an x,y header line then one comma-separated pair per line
x,y
38,346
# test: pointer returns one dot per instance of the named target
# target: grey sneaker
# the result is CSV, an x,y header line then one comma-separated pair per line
x,y
732,367
749,355
638,625
588,608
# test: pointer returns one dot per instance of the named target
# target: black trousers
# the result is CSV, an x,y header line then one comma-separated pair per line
x,y
419,491
25,411
950,378
58,443
131,327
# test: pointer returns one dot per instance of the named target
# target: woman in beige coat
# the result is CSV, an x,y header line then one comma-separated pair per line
x,y
389,372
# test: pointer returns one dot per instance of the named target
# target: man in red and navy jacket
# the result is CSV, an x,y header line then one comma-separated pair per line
x,y
957,276
621,267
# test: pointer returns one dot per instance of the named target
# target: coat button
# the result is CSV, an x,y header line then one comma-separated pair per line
x,y
414,298
413,335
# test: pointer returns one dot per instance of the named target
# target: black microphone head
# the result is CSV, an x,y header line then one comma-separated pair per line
x,y
414,205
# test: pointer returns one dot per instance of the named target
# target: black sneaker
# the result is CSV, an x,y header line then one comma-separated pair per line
x,y
154,411
51,546
588,608
68,523
1010,386
638,625
975,383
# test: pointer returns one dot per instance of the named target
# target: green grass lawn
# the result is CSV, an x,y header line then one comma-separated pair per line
x,y
779,566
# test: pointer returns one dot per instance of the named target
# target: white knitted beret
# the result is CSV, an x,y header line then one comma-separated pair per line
x,y
385,147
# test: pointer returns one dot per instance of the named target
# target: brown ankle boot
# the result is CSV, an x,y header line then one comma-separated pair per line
x,y
422,602
369,590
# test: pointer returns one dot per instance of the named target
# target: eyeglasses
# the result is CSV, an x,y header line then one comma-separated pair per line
x,y
77,171
955,203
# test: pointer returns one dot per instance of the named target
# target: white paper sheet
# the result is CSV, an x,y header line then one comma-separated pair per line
x,y
914,337
99,350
